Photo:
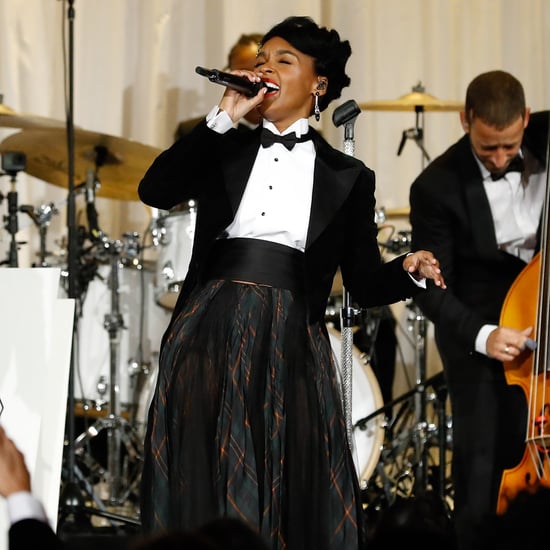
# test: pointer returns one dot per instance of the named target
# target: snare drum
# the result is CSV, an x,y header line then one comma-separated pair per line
x,y
366,399
175,243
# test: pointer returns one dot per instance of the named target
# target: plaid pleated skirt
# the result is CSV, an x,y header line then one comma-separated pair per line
x,y
247,422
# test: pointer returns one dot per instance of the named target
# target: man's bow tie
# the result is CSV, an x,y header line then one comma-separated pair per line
x,y
516,165
268,138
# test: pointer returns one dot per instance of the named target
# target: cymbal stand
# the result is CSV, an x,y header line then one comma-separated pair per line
x,y
418,323
416,133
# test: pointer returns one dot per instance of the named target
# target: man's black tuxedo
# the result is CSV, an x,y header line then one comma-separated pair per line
x,y
451,216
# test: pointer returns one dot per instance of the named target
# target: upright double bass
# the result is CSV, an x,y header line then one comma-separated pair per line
x,y
528,304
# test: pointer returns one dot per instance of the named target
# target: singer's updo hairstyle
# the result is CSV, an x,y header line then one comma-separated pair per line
x,y
330,54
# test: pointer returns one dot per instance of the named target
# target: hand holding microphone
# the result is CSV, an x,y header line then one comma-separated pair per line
x,y
250,92
238,83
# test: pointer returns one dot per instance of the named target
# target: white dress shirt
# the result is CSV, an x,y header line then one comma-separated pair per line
x,y
23,505
276,203
516,201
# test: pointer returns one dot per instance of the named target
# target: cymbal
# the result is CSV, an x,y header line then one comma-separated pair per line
x,y
412,101
5,110
120,163
10,119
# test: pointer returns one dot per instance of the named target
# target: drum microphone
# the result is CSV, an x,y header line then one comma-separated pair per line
x,y
239,83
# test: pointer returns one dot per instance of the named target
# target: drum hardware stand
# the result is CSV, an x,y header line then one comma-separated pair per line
x,y
416,133
12,163
137,366
116,426
402,437
346,114
41,218
417,326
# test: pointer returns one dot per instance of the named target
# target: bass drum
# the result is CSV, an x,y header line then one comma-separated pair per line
x,y
366,399
175,232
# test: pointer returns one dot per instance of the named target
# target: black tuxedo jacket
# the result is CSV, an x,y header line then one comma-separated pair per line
x,y
214,168
451,216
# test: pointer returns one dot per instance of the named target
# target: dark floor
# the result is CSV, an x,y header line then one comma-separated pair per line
x,y
84,536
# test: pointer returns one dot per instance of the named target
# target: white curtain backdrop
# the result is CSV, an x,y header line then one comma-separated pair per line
x,y
134,75
134,78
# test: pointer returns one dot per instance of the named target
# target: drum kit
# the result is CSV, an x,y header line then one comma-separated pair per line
x,y
116,363
122,305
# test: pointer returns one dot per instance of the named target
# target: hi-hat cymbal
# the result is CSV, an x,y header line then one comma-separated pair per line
x,y
411,102
11,119
120,163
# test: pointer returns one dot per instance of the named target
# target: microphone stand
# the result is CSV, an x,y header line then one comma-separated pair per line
x,y
71,499
346,114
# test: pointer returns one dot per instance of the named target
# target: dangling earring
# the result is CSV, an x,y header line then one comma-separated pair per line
x,y
316,110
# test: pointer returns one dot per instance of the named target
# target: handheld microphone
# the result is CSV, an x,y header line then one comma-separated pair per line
x,y
239,83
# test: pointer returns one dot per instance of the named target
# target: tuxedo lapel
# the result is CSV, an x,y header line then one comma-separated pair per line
x,y
479,211
238,166
477,203
331,187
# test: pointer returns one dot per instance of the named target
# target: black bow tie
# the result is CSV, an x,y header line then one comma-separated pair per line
x,y
268,138
516,165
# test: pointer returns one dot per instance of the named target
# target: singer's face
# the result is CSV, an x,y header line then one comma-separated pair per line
x,y
291,70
